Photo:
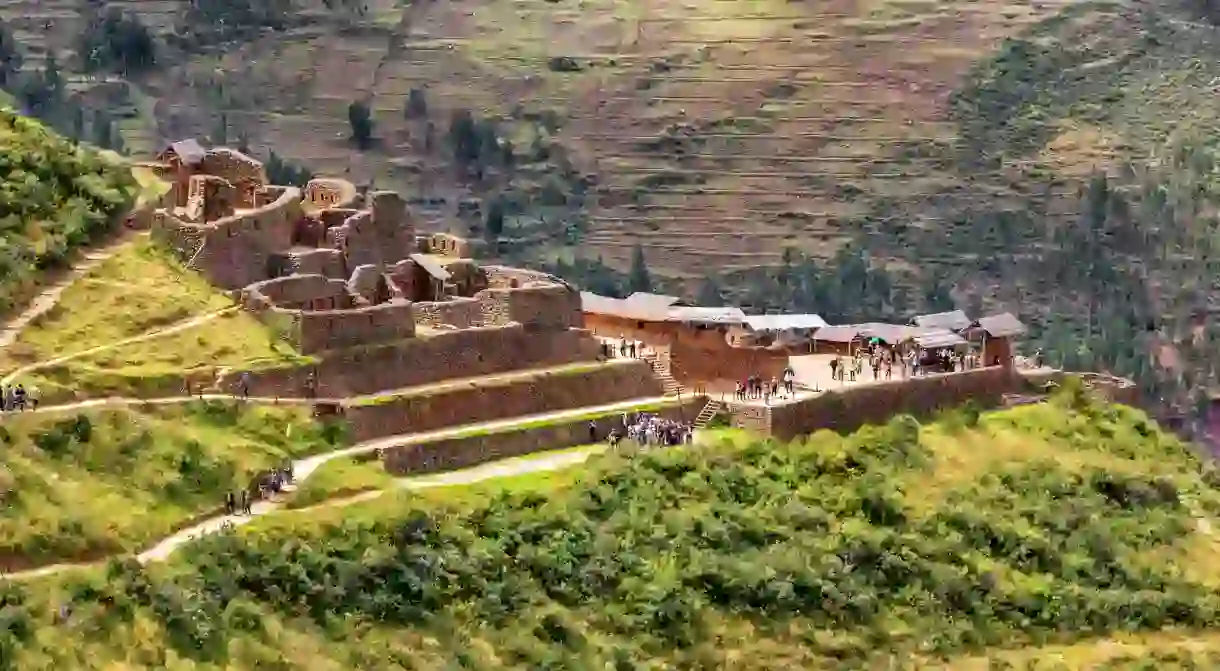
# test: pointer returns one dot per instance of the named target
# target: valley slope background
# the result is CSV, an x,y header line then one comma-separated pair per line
x,y
863,160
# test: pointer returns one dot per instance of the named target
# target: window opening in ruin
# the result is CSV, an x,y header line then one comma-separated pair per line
x,y
277,266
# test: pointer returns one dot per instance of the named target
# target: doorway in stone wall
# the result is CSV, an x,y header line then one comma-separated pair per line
x,y
278,265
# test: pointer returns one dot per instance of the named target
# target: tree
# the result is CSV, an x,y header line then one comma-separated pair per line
x,y
493,224
361,120
102,130
709,293
10,56
417,104
639,279
117,41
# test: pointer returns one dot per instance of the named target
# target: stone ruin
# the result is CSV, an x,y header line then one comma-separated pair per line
x,y
328,268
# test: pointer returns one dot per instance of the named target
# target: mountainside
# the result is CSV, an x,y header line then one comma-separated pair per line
x,y
1069,528
860,160
55,197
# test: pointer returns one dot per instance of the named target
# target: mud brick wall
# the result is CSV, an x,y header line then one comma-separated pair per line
x,y
424,360
456,313
454,453
481,402
876,403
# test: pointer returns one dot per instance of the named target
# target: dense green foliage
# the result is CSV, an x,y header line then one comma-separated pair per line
x,y
54,198
835,549
110,481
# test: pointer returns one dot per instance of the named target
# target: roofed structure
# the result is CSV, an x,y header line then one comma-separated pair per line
x,y
431,266
189,150
694,315
784,322
939,339
1003,325
955,320
652,300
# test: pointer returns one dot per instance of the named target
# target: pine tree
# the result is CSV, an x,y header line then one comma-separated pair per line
x,y
639,278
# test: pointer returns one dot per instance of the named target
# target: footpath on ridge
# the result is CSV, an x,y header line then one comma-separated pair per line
x,y
303,468
48,298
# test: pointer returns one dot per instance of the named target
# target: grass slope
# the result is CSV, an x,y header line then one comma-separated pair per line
x,y
901,544
141,290
55,197
110,481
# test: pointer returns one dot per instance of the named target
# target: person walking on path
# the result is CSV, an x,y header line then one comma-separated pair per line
x,y
230,504
245,501
592,431
245,385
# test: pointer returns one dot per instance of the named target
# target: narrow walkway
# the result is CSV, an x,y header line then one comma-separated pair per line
x,y
49,297
304,468
184,325
405,392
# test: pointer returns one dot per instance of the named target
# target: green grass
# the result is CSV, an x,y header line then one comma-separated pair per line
x,y
893,547
139,291
108,481
338,478
56,198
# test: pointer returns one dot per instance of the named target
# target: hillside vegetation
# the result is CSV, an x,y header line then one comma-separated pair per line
x,y
100,482
972,538
55,197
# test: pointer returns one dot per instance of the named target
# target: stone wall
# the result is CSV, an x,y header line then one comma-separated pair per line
x,y
454,453
707,360
474,402
233,252
381,235
459,313
317,314
326,192
419,361
444,244
876,403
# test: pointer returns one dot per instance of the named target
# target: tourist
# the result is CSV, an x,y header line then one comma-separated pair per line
x,y
245,385
622,347
631,349
230,503
32,395
592,431
774,387
245,501
311,385
19,398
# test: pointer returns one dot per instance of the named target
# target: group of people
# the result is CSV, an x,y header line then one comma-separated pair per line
x,y
240,503
15,398
755,387
626,348
650,430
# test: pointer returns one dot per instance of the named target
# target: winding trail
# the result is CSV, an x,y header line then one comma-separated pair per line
x,y
184,325
304,468
48,298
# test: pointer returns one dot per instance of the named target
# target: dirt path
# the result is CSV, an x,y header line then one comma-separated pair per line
x,y
183,325
434,388
49,297
304,468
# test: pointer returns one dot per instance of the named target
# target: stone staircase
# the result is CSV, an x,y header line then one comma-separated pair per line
x,y
661,370
708,412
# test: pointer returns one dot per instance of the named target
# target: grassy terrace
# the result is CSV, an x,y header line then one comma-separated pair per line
x,y
110,481
140,291
1083,538
342,477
